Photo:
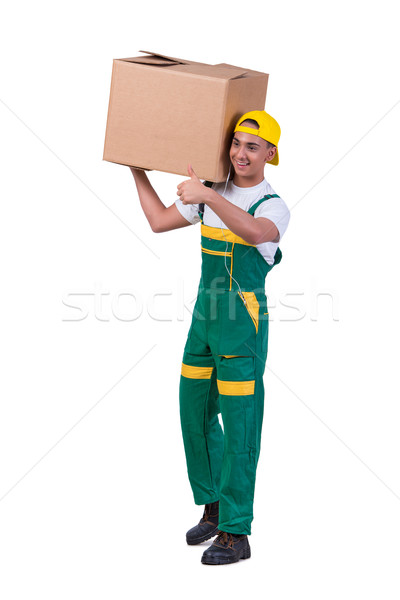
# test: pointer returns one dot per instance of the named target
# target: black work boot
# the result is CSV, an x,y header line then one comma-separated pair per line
x,y
226,548
206,527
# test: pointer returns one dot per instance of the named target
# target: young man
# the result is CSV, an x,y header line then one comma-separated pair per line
x,y
242,223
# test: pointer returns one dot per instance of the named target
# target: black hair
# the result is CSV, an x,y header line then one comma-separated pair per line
x,y
254,122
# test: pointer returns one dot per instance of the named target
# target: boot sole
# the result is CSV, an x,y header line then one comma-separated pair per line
x,y
203,538
212,560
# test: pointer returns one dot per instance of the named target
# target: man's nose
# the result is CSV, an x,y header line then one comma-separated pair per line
x,y
242,152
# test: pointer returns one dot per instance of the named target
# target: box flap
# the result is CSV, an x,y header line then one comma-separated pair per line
x,y
247,72
220,71
231,71
155,56
153,59
150,60
217,71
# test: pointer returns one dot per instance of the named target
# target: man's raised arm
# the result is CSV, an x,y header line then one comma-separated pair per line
x,y
160,217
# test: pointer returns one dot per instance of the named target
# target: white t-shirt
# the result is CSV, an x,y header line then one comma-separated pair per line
x,y
273,209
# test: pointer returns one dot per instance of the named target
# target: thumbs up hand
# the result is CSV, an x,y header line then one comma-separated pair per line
x,y
192,174
191,191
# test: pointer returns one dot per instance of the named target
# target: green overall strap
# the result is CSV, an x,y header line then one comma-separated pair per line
x,y
201,206
252,210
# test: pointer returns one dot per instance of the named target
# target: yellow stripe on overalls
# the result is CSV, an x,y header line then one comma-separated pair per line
x,y
236,388
216,252
223,235
196,372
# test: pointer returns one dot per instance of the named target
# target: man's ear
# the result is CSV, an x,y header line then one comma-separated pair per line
x,y
270,154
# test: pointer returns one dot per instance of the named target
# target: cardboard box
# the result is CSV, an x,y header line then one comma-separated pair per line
x,y
167,112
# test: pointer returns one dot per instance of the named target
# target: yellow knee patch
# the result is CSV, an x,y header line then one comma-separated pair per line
x,y
236,388
196,372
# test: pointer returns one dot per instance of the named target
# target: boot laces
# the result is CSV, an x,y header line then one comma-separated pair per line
x,y
207,514
225,539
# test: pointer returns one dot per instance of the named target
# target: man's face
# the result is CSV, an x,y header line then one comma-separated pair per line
x,y
248,154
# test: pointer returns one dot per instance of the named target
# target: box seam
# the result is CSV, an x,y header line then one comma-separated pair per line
x,y
110,103
221,131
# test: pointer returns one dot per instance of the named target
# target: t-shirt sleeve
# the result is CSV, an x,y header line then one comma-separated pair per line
x,y
189,211
276,211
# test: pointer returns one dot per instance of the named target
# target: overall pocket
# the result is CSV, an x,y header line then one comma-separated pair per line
x,y
237,327
252,306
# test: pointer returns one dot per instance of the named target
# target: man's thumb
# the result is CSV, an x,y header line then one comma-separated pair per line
x,y
192,174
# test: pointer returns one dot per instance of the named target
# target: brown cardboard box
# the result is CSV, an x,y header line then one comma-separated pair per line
x,y
167,112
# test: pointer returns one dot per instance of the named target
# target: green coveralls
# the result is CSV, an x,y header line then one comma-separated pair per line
x,y
222,372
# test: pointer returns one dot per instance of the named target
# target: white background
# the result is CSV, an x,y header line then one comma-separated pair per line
x,y
95,500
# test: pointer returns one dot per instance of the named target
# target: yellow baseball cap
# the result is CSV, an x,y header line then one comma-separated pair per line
x,y
268,130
